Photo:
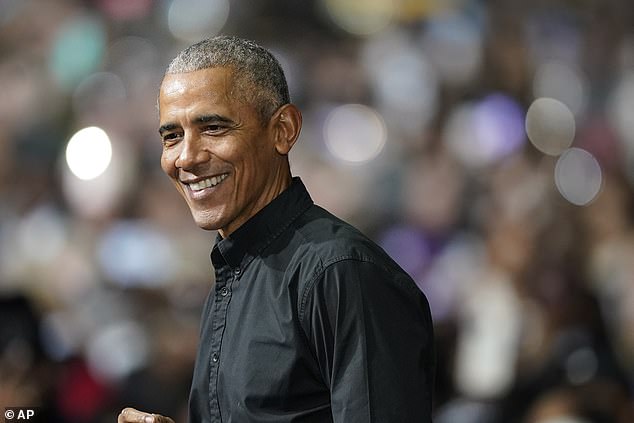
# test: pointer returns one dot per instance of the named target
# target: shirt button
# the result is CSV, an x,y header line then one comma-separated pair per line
x,y
236,271
224,291
214,358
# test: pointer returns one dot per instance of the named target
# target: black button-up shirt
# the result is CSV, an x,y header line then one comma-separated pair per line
x,y
310,321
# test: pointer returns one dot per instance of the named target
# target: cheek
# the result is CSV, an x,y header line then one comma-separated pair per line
x,y
167,164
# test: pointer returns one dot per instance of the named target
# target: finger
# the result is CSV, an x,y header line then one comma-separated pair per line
x,y
130,415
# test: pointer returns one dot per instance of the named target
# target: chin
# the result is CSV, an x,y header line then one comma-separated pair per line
x,y
205,222
206,225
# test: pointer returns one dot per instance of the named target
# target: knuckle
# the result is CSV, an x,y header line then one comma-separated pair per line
x,y
124,416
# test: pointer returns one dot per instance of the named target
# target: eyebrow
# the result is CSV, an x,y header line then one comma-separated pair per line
x,y
202,119
212,118
167,127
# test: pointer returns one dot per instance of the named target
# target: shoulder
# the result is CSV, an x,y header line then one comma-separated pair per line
x,y
331,247
329,240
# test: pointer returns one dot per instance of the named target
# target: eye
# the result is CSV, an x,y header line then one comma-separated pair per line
x,y
214,129
171,138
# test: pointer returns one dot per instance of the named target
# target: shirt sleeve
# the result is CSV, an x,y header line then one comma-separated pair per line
x,y
371,332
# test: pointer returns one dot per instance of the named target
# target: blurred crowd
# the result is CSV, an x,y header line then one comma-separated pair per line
x,y
488,146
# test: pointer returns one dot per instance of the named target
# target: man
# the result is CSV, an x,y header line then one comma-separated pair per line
x,y
309,320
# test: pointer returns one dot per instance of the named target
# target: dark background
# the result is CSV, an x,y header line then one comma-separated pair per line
x,y
416,119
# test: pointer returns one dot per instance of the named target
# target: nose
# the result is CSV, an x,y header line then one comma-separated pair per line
x,y
192,153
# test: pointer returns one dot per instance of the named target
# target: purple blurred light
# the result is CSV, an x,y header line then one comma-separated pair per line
x,y
408,247
498,122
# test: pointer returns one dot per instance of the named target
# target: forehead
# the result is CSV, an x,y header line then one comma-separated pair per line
x,y
211,83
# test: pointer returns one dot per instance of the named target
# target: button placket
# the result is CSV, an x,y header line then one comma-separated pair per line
x,y
220,315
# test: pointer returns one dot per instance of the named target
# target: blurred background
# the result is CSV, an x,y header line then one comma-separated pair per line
x,y
488,146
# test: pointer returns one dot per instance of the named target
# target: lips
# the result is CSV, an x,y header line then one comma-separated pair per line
x,y
202,187
207,183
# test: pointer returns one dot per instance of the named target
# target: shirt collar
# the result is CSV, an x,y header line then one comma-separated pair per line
x,y
246,242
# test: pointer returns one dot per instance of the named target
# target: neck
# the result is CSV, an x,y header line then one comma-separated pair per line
x,y
280,183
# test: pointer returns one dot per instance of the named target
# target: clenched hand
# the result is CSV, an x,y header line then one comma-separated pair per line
x,y
130,415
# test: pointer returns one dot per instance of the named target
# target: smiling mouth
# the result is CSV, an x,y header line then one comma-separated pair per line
x,y
207,183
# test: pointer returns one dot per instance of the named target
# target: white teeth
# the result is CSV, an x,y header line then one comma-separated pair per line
x,y
207,183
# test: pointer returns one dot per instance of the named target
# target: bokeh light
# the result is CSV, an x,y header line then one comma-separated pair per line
x,y
433,166
562,82
117,350
453,44
621,105
405,83
99,93
361,17
578,176
41,235
88,153
354,133
193,20
481,133
581,366
99,196
125,9
553,36
485,357
77,50
407,246
60,335
122,255
450,273
132,58
467,410
550,125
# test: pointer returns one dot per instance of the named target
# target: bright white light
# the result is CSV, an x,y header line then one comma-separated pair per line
x,y
354,133
578,176
361,17
97,197
550,125
192,20
88,153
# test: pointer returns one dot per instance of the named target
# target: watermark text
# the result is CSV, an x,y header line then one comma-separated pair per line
x,y
22,414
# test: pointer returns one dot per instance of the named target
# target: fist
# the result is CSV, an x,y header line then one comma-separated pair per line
x,y
130,415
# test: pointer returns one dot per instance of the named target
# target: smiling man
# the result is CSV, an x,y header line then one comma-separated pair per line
x,y
308,320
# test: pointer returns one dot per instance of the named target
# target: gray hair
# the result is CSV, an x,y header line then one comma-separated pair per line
x,y
258,75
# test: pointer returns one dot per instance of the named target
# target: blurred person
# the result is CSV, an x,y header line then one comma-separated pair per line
x,y
308,320
597,402
27,376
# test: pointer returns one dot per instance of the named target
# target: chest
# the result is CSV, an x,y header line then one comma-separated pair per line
x,y
263,359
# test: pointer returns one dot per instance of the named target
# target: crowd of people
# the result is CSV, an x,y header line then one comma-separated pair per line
x,y
422,126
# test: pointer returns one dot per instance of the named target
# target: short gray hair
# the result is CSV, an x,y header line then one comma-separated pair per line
x,y
258,75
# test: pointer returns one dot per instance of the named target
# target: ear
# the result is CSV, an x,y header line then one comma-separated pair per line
x,y
287,124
